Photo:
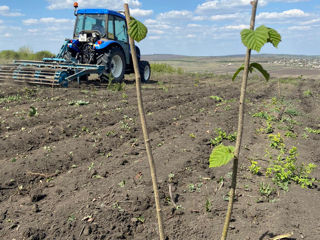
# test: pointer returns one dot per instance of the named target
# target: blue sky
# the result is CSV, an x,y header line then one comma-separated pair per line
x,y
187,27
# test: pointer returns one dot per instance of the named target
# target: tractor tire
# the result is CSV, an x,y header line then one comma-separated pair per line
x,y
145,71
114,63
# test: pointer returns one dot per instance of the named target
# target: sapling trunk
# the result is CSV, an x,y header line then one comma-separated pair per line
x,y
240,128
144,128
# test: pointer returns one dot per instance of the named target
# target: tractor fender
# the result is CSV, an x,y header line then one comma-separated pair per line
x,y
105,44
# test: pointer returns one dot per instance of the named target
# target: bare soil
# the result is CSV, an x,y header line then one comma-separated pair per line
x,y
78,168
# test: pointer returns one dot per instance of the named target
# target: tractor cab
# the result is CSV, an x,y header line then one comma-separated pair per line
x,y
106,24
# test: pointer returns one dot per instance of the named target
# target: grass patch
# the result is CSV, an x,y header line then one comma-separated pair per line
x,y
165,68
24,53
290,80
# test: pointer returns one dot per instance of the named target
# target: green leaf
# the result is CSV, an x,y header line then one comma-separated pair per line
x,y
255,39
137,30
221,155
241,69
32,111
260,69
274,37
237,72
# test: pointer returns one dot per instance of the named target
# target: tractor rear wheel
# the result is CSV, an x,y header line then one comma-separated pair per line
x,y
114,63
145,71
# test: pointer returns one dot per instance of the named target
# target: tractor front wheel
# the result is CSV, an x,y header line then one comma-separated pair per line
x,y
114,63
145,71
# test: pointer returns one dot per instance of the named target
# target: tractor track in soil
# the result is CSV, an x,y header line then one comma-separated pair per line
x,y
80,172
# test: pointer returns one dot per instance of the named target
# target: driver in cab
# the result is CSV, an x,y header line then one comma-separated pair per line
x,y
99,27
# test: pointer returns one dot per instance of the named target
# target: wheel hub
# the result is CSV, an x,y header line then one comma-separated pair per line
x,y
116,66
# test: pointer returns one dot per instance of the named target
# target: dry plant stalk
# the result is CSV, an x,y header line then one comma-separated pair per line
x,y
287,235
144,128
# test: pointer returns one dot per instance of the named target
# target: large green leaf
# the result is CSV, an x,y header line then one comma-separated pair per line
x,y
274,37
221,155
260,69
137,30
255,39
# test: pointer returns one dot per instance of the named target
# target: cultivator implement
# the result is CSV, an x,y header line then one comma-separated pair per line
x,y
51,71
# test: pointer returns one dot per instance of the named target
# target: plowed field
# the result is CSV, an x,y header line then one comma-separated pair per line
x,y
75,167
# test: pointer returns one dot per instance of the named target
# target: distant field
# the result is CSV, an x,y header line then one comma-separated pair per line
x,y
279,66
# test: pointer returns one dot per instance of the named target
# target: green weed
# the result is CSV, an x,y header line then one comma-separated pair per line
x,y
222,135
9,99
254,168
284,168
262,114
33,111
122,183
162,86
276,141
117,206
217,98
192,135
266,190
290,134
208,205
307,93
311,130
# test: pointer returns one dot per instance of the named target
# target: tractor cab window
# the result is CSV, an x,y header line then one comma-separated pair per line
x,y
110,27
120,29
89,22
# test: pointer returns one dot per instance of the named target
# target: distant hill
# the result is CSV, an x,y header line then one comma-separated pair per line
x,y
162,57
173,57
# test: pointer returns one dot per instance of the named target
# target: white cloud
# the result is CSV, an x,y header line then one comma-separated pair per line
x,y
32,21
289,1
292,13
154,37
7,35
225,16
191,36
55,20
310,22
174,15
155,31
192,25
140,12
5,11
235,27
224,5
150,21
158,25
33,30
1,21
199,18
234,5
110,4
299,28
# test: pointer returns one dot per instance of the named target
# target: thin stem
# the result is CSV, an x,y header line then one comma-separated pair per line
x,y
144,128
240,128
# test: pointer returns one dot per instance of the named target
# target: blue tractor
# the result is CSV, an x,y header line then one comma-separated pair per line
x,y
99,45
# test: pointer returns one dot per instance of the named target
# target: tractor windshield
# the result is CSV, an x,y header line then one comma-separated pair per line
x,y
89,22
